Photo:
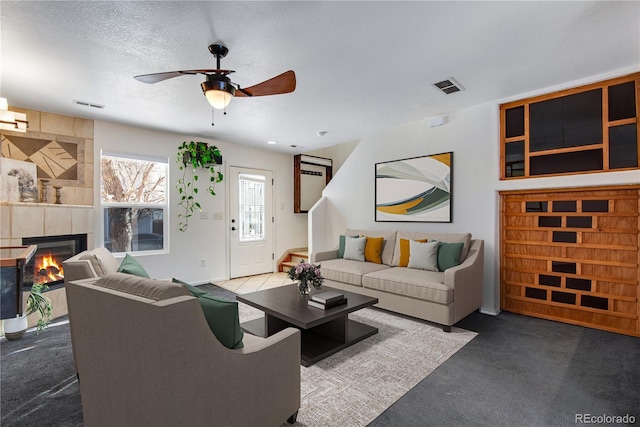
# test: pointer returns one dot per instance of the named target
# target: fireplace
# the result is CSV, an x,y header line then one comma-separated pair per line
x,y
46,265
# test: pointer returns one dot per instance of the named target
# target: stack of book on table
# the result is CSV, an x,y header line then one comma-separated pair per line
x,y
325,300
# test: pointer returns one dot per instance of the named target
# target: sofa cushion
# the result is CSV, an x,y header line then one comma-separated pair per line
x,y
341,245
130,265
102,261
156,290
388,243
405,251
448,255
420,284
441,237
354,248
348,271
373,249
222,316
423,255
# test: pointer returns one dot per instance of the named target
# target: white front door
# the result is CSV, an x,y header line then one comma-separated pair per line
x,y
250,221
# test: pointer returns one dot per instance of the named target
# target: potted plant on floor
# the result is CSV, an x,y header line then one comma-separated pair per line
x,y
191,156
37,302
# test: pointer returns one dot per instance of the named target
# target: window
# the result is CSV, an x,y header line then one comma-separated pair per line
x,y
252,207
134,202
592,128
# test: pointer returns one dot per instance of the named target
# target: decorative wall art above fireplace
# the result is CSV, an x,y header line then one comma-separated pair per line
x,y
61,149
417,189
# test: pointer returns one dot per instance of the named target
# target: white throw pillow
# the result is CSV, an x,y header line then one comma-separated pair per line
x,y
423,256
354,248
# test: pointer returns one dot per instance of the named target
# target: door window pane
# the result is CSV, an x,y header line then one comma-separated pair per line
x,y
251,199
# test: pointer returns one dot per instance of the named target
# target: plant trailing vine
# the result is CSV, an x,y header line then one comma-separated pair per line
x,y
191,156
37,302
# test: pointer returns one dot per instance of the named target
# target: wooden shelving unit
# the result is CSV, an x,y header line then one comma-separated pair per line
x,y
588,129
572,255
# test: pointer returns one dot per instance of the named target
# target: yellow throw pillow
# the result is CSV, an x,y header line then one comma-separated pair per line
x,y
373,250
405,252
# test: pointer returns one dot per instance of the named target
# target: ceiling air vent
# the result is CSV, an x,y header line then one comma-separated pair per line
x,y
88,104
449,86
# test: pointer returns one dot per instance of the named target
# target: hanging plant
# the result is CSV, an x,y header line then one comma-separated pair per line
x,y
193,156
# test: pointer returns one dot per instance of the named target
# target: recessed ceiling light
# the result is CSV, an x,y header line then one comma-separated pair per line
x,y
322,133
271,142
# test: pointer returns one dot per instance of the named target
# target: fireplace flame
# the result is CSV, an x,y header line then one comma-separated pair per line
x,y
48,270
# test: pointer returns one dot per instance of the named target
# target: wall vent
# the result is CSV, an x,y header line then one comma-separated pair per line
x,y
449,86
88,104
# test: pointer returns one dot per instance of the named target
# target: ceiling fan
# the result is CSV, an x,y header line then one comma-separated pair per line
x,y
219,89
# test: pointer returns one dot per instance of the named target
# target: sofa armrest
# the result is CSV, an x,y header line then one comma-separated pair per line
x,y
316,257
467,281
286,337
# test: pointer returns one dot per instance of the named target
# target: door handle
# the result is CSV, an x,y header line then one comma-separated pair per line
x,y
233,229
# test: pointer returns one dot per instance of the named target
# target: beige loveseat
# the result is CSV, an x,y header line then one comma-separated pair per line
x,y
146,356
441,297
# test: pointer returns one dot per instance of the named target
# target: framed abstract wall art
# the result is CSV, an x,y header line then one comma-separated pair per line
x,y
417,189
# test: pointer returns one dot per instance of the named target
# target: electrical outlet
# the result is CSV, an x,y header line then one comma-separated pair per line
x,y
203,263
204,215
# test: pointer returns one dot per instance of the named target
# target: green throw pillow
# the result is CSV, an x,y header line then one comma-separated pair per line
x,y
222,316
449,255
130,265
193,289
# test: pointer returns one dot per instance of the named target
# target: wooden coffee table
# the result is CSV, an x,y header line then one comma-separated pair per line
x,y
324,332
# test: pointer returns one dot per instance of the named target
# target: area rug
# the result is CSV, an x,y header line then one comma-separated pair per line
x,y
355,385
351,387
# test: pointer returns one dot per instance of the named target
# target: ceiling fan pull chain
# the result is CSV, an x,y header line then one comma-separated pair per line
x,y
212,116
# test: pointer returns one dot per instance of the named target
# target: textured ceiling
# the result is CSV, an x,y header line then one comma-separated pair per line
x,y
361,66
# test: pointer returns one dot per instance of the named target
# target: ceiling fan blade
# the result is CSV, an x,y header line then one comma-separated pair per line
x,y
158,77
284,83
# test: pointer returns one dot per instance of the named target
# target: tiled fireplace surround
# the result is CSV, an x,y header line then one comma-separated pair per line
x,y
75,215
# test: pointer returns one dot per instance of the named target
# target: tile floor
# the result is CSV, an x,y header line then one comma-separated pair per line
x,y
243,285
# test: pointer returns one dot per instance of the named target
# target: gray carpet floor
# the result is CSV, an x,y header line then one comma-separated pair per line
x,y
523,371
519,371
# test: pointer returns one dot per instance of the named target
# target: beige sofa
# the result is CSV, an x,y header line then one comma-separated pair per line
x,y
146,356
441,297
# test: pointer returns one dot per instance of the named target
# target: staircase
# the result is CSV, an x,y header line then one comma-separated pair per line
x,y
293,257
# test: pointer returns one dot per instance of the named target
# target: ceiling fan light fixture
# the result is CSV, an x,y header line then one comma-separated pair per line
x,y
218,90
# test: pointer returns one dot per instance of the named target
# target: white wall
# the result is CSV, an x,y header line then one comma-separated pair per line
x,y
338,153
204,239
473,136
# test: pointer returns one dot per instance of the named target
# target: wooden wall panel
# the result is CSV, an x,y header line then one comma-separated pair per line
x,y
572,255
